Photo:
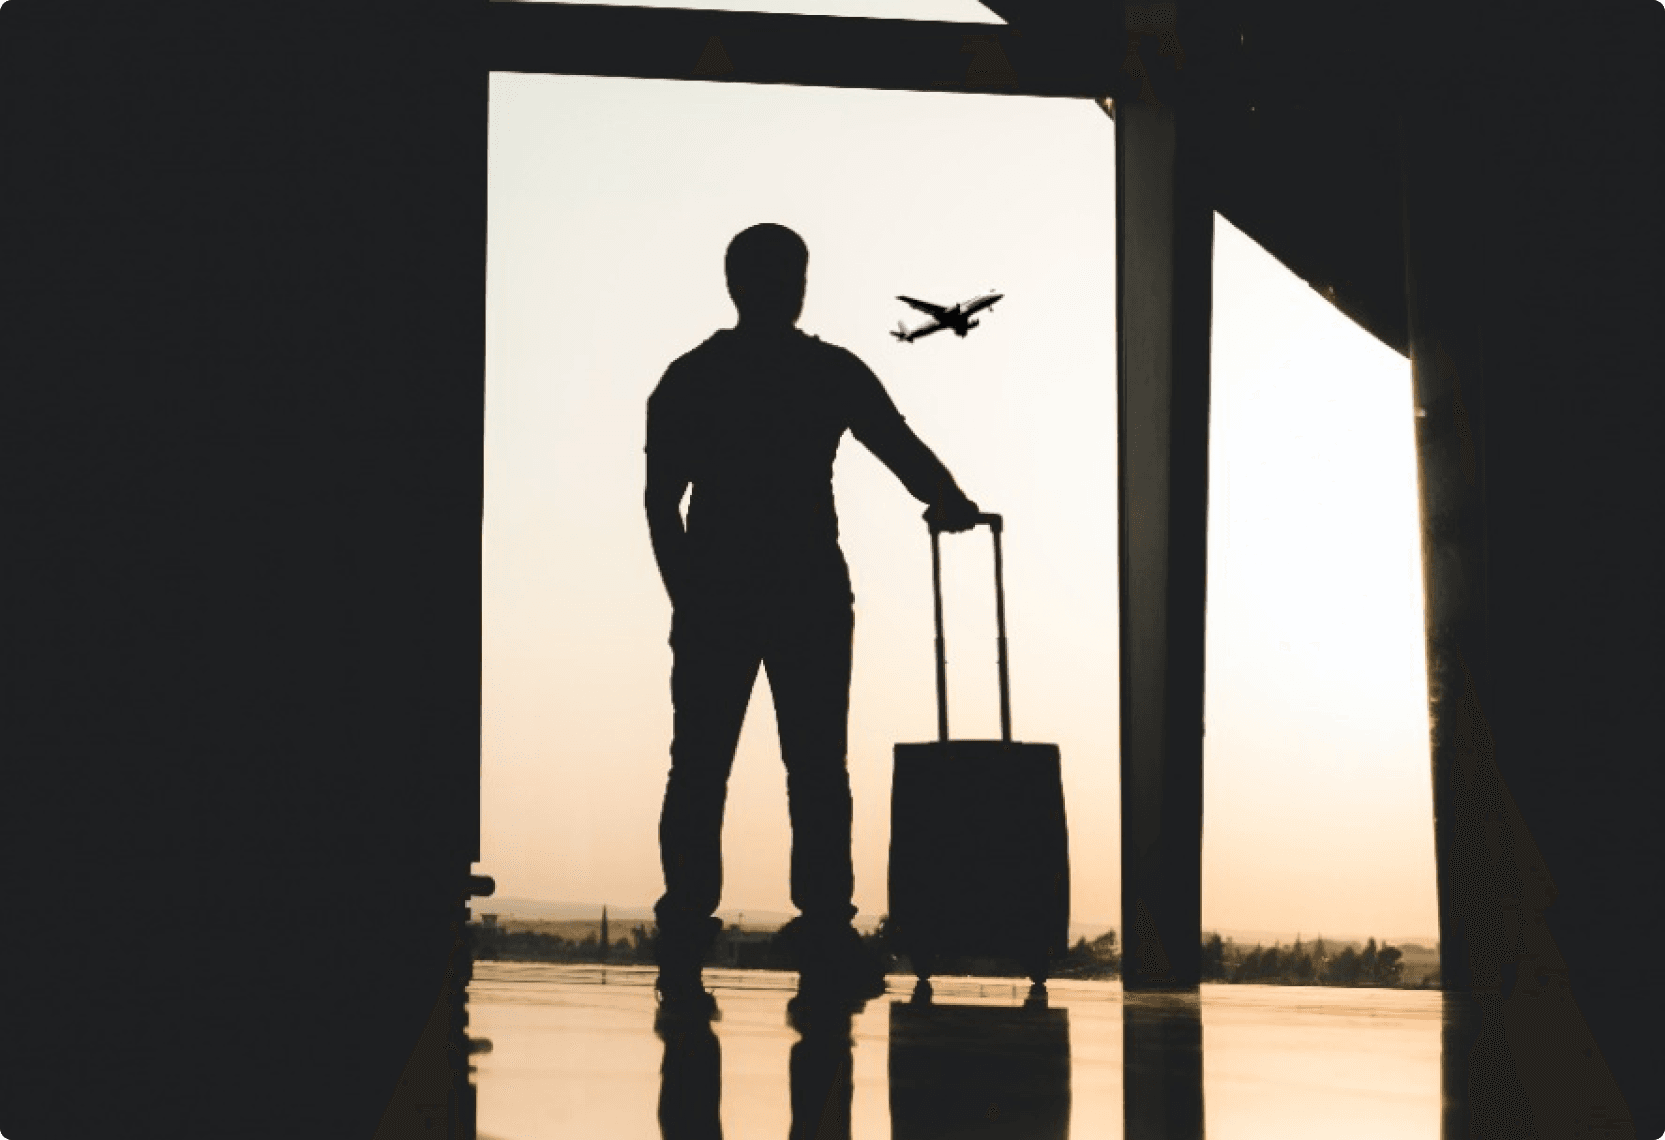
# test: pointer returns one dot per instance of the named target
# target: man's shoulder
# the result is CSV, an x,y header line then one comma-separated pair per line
x,y
686,369
837,359
828,349
706,350
710,360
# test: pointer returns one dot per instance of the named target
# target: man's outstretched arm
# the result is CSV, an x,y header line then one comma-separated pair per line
x,y
887,435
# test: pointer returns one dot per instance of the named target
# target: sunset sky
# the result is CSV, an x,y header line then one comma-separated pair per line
x,y
611,202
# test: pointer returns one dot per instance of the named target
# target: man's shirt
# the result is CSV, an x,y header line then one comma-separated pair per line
x,y
755,423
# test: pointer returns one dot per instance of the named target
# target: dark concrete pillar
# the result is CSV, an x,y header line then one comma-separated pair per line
x,y
1449,399
1532,297
1164,252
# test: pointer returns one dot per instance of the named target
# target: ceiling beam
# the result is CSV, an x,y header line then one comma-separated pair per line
x,y
807,51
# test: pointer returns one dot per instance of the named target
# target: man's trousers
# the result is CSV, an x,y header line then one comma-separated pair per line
x,y
804,645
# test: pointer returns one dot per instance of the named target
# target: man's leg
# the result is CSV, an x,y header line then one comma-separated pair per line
x,y
715,666
808,661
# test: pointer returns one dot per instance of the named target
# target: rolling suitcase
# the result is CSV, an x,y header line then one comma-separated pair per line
x,y
979,851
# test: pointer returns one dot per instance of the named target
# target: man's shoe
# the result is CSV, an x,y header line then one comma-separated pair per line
x,y
680,947
682,997
839,967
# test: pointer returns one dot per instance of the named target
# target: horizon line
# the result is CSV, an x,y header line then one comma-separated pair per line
x,y
483,904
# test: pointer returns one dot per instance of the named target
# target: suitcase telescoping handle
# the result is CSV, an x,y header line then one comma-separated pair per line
x,y
995,526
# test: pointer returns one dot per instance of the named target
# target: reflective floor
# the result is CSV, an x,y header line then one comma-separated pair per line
x,y
574,1051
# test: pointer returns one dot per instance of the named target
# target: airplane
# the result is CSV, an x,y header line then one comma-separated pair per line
x,y
956,317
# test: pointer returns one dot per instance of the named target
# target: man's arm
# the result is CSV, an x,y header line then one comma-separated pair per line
x,y
883,431
667,482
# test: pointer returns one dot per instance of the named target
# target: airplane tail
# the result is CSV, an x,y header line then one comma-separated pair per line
x,y
901,332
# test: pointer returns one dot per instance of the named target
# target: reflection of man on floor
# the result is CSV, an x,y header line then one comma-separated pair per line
x,y
752,418
819,1074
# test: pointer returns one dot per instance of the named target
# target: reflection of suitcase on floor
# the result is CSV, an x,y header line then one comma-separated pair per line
x,y
987,1071
979,852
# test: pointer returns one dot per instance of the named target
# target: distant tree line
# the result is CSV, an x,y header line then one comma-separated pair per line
x,y
1301,964
1099,958
495,943
733,947
1307,964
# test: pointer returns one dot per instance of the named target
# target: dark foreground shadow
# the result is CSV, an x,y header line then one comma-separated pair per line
x,y
1162,1093
979,1071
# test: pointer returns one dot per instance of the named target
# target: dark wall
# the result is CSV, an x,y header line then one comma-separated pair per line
x,y
241,287
1532,184
243,297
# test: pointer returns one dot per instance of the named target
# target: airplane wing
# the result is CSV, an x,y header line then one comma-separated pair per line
x,y
937,311
926,330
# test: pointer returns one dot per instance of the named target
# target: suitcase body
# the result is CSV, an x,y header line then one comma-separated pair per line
x,y
979,847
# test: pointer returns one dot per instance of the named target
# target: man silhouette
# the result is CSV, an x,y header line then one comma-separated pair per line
x,y
752,418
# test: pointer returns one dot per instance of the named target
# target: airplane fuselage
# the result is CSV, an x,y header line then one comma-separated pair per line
x,y
957,317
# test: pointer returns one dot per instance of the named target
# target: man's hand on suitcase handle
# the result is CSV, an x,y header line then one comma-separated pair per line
x,y
957,516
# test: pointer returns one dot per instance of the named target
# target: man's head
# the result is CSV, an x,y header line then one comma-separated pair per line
x,y
766,266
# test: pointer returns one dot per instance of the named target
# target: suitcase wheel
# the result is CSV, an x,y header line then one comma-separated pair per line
x,y
924,962
1035,965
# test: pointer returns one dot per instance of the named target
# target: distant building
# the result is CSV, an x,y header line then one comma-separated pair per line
x,y
740,949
